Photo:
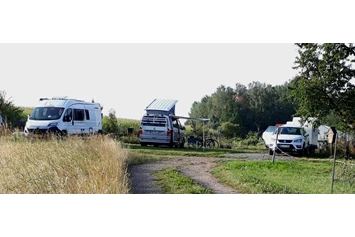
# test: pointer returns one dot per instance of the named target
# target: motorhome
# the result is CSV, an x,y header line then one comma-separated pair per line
x,y
64,116
160,126
292,137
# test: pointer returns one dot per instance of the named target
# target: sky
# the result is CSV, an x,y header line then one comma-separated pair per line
x,y
126,77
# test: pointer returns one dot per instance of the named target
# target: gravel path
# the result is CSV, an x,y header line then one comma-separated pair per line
x,y
197,168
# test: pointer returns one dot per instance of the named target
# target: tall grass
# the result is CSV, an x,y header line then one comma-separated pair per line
x,y
72,166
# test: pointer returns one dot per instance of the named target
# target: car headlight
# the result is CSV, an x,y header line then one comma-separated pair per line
x,y
298,141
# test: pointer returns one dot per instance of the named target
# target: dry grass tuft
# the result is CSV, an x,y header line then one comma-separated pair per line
x,y
72,166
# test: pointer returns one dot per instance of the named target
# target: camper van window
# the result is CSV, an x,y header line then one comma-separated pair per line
x,y
68,115
180,126
87,114
155,121
79,114
175,124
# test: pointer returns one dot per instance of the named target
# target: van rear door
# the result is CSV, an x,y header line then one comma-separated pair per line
x,y
155,129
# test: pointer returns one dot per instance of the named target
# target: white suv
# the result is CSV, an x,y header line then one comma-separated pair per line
x,y
290,139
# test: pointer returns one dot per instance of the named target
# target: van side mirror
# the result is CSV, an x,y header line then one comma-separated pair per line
x,y
66,118
183,128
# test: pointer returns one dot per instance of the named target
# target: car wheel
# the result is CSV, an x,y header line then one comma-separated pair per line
x,y
302,152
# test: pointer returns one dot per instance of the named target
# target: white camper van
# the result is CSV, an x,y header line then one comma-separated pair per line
x,y
64,116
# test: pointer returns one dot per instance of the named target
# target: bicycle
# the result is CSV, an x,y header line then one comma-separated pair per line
x,y
197,142
211,143
193,142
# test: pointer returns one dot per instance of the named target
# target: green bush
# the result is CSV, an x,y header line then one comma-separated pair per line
x,y
131,139
119,127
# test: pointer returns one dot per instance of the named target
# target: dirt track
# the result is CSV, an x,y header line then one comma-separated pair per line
x,y
197,168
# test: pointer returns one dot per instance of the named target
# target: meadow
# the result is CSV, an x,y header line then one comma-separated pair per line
x,y
98,165
70,166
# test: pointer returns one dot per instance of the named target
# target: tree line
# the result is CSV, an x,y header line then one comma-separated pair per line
x,y
237,111
323,87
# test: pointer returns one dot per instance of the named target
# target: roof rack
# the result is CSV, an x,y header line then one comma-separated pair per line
x,y
65,98
60,98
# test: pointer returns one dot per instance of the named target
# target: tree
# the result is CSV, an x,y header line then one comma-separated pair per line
x,y
11,114
110,124
323,84
223,105
230,129
266,105
261,98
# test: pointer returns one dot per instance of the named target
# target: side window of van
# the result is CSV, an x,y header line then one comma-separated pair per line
x,y
180,126
87,114
175,124
78,114
68,115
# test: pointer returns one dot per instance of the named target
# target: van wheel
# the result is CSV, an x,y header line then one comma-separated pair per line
x,y
54,133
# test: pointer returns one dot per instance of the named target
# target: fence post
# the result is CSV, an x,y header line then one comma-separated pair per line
x,y
333,173
275,147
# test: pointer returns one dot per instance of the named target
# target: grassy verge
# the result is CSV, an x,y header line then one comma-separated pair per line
x,y
310,175
174,182
283,177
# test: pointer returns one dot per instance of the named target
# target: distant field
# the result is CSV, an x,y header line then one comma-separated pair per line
x,y
26,110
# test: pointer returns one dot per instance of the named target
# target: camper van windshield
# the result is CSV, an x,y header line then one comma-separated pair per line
x,y
46,113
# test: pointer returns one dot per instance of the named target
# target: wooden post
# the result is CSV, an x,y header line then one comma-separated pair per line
x,y
203,137
219,143
333,173
331,149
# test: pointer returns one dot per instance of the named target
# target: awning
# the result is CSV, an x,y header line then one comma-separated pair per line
x,y
189,118
198,119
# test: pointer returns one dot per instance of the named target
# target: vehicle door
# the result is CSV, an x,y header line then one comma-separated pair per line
x,y
74,120
154,129
68,121
306,136
181,131
89,123
176,130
